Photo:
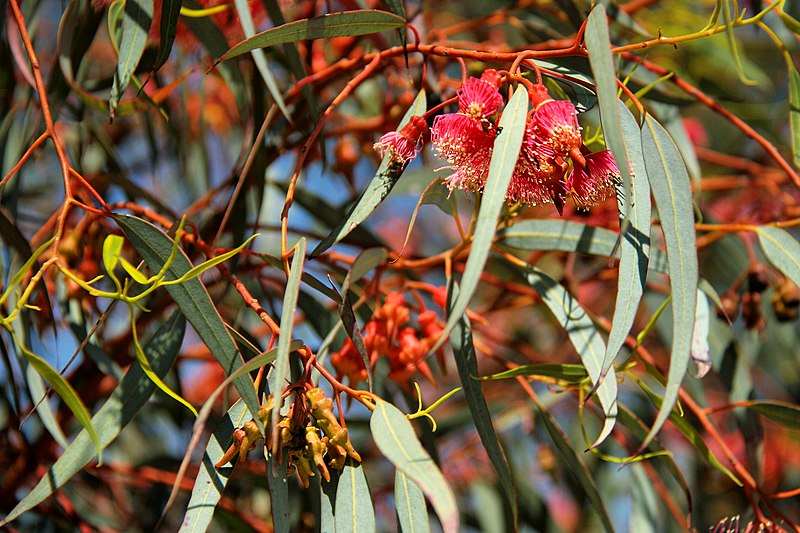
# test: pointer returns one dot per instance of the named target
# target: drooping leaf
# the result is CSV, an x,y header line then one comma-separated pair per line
x,y
155,247
669,182
280,370
598,44
120,408
794,112
412,513
38,392
395,438
467,364
170,9
246,20
354,511
279,493
501,167
211,481
782,250
700,349
378,189
136,19
584,337
575,465
634,244
346,23
327,504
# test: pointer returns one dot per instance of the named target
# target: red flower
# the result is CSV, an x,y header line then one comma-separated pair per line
x,y
467,146
595,182
556,125
402,145
478,99
538,176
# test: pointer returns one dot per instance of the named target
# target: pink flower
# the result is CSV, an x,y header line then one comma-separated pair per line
x,y
538,176
478,99
402,145
467,146
556,125
595,182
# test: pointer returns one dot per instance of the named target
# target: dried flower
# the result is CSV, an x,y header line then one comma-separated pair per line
x,y
402,145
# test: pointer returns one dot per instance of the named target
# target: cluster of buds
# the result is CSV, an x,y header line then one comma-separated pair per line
x,y
309,434
785,300
388,334
553,161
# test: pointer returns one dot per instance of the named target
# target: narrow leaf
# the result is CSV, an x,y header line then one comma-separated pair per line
x,y
211,481
785,414
598,44
569,373
575,465
670,185
354,510
378,189
504,158
120,408
634,244
395,438
170,9
136,21
412,513
279,493
346,23
155,247
794,112
467,364
246,20
280,370
584,337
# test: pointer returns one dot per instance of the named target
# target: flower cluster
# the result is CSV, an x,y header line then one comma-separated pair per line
x,y
388,334
552,162
309,433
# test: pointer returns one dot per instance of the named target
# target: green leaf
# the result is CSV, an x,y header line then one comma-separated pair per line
x,y
280,370
136,19
170,9
346,23
378,189
669,182
504,158
575,465
794,112
211,481
785,414
137,276
327,502
634,244
279,494
44,409
569,373
559,235
688,431
598,44
412,513
584,337
112,246
155,247
782,250
246,20
467,364
354,510
395,438
120,408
